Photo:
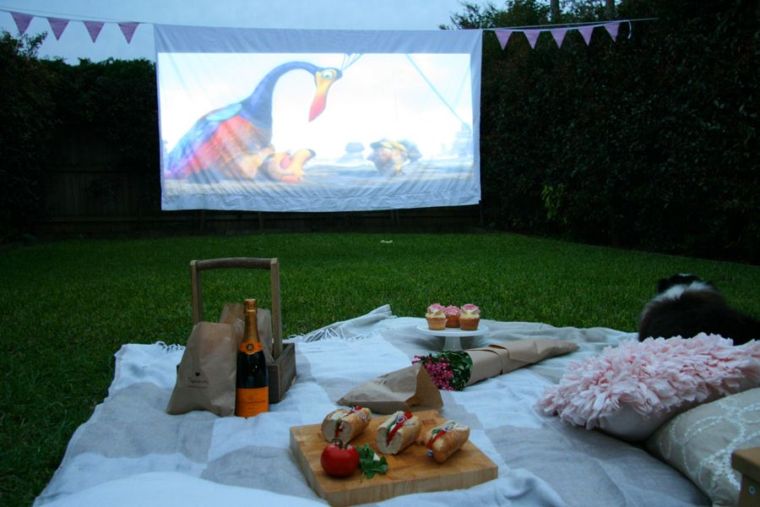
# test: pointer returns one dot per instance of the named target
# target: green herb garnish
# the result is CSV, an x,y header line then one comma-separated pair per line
x,y
370,462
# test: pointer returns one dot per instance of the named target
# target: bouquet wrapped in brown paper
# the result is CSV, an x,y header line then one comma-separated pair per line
x,y
398,390
454,370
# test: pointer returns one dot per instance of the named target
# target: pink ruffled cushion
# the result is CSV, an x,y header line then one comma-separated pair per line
x,y
630,390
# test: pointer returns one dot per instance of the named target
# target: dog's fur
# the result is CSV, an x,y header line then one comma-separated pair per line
x,y
686,305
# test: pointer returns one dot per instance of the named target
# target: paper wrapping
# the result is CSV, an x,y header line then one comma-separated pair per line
x,y
496,360
398,390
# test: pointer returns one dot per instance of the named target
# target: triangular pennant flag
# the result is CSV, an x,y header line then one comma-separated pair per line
x,y
22,21
94,28
128,29
559,35
532,36
586,33
58,25
503,36
612,28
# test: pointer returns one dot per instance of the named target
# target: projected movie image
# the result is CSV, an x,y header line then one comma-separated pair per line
x,y
316,132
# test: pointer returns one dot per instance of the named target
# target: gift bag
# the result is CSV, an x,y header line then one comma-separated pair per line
x,y
398,390
206,373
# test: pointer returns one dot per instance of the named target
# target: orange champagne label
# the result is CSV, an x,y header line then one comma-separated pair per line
x,y
250,347
251,402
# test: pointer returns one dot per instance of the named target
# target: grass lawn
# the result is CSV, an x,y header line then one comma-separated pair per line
x,y
68,306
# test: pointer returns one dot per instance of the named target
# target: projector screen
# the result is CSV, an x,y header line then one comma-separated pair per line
x,y
314,120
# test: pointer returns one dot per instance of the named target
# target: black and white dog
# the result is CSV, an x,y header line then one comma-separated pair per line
x,y
686,305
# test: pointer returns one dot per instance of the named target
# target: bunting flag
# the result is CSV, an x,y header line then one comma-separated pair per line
x,y
586,32
612,28
503,35
559,35
532,36
94,28
22,21
128,29
58,25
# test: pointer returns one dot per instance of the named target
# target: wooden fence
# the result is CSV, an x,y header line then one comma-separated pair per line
x,y
86,193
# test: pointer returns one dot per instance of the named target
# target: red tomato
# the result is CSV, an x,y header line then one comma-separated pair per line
x,y
338,461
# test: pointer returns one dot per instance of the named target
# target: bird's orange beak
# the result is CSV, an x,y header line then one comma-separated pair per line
x,y
324,80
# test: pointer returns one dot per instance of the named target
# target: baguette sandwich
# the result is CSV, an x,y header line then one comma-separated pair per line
x,y
397,432
345,424
445,439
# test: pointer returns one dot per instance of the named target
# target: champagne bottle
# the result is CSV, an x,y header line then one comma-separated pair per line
x,y
252,383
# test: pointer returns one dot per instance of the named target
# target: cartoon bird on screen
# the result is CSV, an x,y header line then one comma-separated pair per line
x,y
235,141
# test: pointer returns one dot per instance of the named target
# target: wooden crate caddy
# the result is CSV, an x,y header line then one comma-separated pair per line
x,y
282,371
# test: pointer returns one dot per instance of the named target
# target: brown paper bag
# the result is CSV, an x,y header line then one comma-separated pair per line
x,y
206,373
398,390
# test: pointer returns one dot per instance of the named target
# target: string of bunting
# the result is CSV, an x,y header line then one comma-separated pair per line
x,y
58,26
559,33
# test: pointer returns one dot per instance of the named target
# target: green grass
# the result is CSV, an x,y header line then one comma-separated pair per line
x,y
67,307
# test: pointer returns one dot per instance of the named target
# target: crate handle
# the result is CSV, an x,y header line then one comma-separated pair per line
x,y
273,265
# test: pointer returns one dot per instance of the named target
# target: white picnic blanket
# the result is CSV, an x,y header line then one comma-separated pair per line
x,y
131,452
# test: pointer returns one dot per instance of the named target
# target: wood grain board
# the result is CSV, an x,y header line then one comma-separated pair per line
x,y
411,471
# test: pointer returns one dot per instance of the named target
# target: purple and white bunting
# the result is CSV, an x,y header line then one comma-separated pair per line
x,y
22,21
559,35
94,28
128,29
503,35
532,36
58,25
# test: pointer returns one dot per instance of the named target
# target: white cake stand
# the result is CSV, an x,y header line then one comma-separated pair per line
x,y
452,335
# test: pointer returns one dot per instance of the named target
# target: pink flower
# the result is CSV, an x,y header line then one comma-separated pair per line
x,y
439,371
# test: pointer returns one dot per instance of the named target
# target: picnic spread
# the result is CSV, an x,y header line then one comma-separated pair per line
x,y
131,451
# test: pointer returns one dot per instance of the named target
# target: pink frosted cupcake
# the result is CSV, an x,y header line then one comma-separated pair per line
x,y
452,316
436,317
469,318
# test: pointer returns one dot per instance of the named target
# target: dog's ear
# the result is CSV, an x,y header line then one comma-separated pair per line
x,y
664,284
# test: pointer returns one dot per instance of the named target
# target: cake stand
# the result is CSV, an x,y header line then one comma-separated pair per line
x,y
452,335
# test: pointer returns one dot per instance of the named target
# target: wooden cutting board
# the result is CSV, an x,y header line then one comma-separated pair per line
x,y
411,471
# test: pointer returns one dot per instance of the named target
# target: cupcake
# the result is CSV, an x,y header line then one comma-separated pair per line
x,y
452,316
436,317
469,318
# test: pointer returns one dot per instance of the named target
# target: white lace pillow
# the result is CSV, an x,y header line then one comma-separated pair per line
x,y
631,390
699,443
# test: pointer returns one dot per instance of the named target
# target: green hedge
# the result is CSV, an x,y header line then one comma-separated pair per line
x,y
27,126
648,142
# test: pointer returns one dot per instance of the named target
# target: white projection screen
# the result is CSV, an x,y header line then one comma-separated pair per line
x,y
317,120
